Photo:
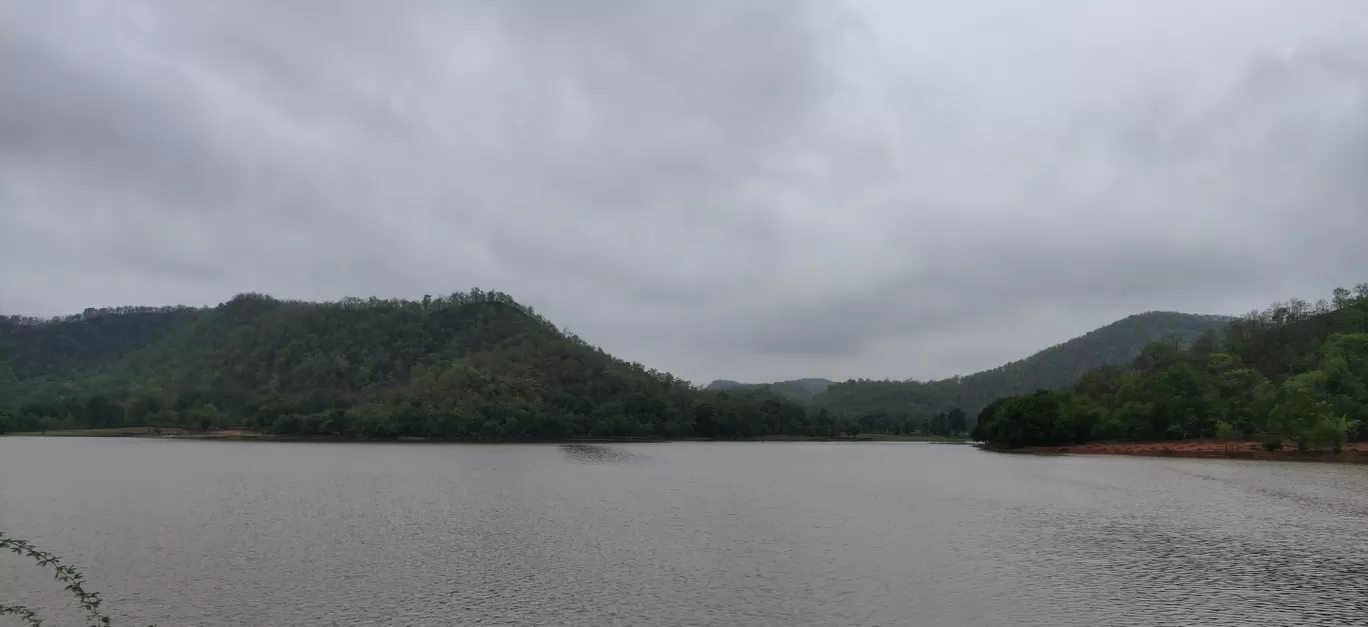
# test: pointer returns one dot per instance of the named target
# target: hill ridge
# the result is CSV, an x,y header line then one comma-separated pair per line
x,y
1294,371
923,400
475,364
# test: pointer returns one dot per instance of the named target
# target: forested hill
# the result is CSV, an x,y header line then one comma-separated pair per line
x,y
472,364
1057,366
1295,372
797,389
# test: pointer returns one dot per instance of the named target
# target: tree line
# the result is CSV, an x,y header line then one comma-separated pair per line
x,y
1295,373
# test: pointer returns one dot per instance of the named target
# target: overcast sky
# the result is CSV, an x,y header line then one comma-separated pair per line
x,y
743,189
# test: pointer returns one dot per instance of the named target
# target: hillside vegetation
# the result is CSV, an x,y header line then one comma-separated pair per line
x,y
1057,366
471,365
797,389
1294,372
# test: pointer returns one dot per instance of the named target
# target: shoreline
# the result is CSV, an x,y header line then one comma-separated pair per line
x,y
1206,448
246,435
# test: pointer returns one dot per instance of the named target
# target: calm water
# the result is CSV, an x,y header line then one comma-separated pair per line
x,y
714,534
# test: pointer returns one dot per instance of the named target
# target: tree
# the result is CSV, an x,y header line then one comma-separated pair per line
x,y
1227,433
1041,419
1301,405
136,411
1204,345
957,421
938,424
705,419
1341,298
207,417
1332,432
100,412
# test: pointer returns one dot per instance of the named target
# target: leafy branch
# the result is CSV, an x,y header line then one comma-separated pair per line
x,y
73,579
25,614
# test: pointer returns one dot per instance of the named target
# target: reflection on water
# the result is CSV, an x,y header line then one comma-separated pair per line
x,y
703,534
599,454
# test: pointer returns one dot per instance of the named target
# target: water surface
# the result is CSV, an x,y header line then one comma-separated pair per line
x,y
709,534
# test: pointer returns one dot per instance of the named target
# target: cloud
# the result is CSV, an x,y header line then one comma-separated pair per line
x,y
750,190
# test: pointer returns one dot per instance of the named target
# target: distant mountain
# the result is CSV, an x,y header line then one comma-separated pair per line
x,y
475,365
1115,344
797,389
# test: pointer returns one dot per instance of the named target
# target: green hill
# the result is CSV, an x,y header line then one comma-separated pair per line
x,y
1057,366
472,364
1291,372
797,389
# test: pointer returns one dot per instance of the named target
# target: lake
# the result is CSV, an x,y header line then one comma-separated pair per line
x,y
181,533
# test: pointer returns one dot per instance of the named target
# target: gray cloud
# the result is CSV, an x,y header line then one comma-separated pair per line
x,y
750,190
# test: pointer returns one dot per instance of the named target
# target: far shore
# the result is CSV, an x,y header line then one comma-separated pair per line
x,y
1209,448
180,433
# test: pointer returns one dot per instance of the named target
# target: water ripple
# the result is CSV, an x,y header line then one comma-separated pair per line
x,y
600,454
699,534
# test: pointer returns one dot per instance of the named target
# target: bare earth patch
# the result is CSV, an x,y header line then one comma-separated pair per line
x,y
1208,447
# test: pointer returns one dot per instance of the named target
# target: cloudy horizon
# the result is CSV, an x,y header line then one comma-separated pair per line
x,y
754,190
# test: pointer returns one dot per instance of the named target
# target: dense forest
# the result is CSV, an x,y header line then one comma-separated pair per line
x,y
878,404
470,365
796,389
1294,372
